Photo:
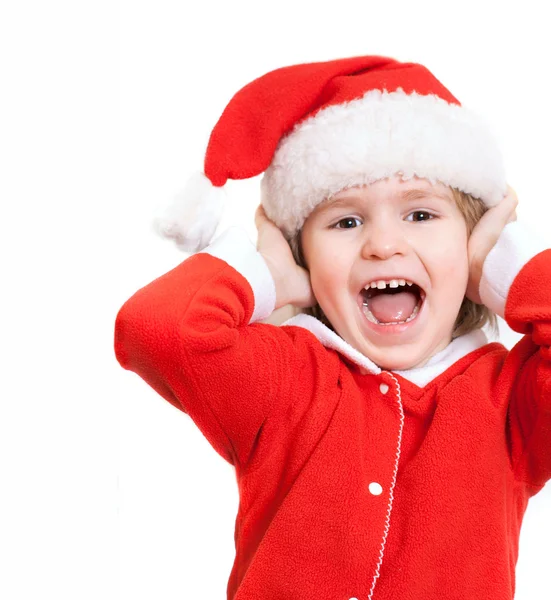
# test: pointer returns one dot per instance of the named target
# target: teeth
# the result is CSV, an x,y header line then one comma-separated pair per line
x,y
414,313
393,283
370,315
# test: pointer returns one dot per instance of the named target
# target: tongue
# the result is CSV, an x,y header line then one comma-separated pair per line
x,y
391,308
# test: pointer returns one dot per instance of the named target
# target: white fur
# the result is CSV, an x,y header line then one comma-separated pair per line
x,y
517,245
191,220
421,376
332,340
234,247
374,137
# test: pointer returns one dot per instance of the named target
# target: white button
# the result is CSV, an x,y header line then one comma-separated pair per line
x,y
375,488
384,388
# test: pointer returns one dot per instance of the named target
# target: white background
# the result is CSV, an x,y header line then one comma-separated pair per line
x,y
107,491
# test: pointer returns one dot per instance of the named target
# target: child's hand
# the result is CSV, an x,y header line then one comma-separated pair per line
x,y
292,282
484,236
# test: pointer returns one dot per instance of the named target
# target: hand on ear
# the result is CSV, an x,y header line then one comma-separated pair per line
x,y
484,237
291,281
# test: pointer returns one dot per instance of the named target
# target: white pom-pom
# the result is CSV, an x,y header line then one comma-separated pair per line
x,y
193,217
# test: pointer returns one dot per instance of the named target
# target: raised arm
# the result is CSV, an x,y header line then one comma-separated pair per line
x,y
516,284
193,335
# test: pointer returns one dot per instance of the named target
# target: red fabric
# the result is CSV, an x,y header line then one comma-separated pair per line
x,y
308,433
245,137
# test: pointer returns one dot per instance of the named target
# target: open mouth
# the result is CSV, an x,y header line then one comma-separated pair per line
x,y
392,306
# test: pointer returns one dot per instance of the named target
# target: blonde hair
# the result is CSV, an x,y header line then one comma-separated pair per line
x,y
471,316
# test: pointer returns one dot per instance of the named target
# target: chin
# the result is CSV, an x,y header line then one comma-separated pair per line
x,y
397,359
399,365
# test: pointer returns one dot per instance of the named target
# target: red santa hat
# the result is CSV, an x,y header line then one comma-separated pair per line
x,y
315,129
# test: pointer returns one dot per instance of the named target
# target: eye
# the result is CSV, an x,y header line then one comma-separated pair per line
x,y
347,223
427,216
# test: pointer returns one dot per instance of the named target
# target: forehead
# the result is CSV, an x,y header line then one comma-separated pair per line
x,y
393,189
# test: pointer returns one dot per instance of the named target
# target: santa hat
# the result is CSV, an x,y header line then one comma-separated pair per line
x,y
318,128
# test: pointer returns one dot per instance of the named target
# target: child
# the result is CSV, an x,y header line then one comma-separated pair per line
x,y
385,449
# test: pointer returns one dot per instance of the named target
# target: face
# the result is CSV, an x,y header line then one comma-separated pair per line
x,y
391,229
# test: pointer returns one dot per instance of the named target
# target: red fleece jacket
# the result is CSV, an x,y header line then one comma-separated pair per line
x,y
354,485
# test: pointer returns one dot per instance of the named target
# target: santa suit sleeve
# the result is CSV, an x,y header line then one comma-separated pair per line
x,y
516,284
194,336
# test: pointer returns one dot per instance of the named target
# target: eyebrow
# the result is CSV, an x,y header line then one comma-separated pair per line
x,y
417,193
407,195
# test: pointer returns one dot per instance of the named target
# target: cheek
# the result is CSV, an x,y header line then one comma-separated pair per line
x,y
450,273
451,257
454,263
328,273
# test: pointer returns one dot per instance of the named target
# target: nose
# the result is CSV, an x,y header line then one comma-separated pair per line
x,y
383,241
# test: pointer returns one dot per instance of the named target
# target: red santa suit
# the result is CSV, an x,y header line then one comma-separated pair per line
x,y
356,482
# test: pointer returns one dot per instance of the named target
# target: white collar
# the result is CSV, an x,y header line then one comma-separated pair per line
x,y
455,350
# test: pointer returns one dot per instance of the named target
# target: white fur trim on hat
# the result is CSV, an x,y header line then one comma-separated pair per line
x,y
374,137
191,220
